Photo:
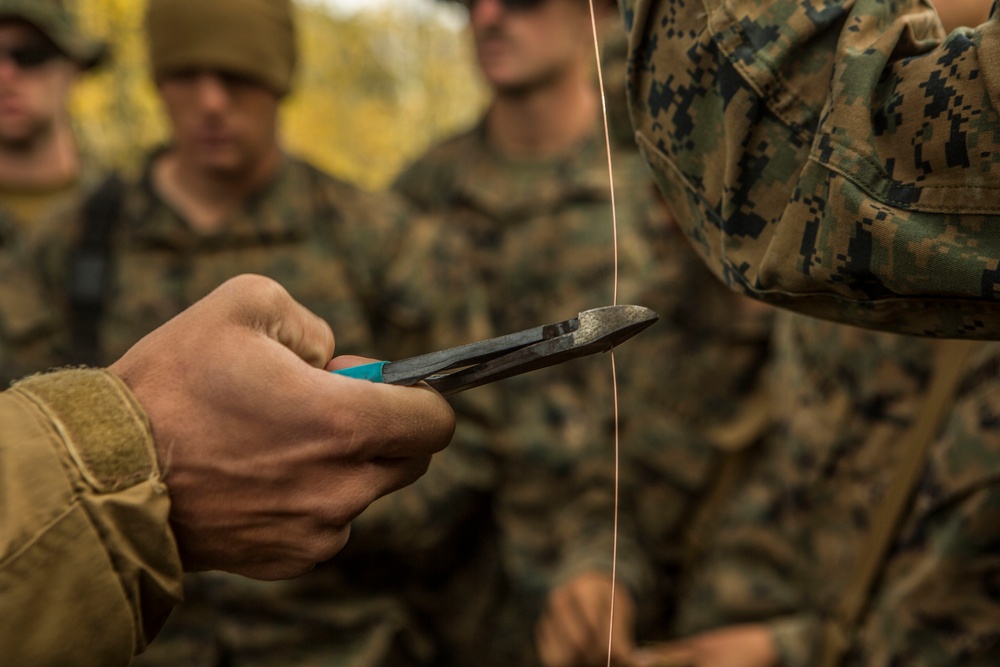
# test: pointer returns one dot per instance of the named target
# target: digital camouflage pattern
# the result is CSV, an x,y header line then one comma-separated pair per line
x,y
27,316
838,158
364,263
355,259
543,245
783,549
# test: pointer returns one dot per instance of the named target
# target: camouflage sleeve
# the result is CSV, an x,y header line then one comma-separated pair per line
x,y
838,158
795,638
593,539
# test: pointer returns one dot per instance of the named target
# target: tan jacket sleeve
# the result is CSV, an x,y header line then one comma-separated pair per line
x,y
89,569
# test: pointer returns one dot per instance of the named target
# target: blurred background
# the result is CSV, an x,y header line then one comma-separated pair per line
x,y
378,82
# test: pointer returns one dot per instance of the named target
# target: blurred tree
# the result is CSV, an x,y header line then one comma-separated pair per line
x,y
374,89
116,109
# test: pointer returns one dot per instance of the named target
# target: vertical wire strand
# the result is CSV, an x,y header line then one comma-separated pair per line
x,y
614,372
607,144
614,547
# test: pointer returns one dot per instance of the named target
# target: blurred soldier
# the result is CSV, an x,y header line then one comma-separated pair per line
x,y
866,534
223,198
528,187
774,579
41,170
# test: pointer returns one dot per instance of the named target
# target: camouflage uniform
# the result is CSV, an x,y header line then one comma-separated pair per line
x,y
364,264
542,242
28,317
23,310
784,548
339,252
827,114
850,136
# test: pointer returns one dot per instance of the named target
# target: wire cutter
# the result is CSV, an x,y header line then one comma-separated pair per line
x,y
475,364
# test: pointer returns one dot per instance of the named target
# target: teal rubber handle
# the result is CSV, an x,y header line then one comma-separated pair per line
x,y
371,372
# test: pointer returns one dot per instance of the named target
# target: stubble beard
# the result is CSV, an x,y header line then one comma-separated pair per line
x,y
26,139
524,85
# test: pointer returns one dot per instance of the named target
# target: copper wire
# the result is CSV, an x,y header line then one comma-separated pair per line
x,y
614,373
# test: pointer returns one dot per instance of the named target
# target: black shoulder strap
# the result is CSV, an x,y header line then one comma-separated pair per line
x,y
90,269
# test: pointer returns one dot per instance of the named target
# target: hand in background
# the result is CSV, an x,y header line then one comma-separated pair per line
x,y
735,646
266,455
573,631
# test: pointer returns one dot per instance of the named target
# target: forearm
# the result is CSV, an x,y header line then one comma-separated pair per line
x,y
88,565
796,148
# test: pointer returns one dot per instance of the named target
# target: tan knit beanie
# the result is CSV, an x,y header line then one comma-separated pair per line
x,y
252,38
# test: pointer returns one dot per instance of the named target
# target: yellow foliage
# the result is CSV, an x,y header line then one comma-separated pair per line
x,y
373,90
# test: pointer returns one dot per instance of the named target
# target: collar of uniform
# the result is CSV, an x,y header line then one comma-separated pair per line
x,y
511,189
274,213
92,173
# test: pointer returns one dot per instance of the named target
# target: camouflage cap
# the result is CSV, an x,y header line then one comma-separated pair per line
x,y
57,21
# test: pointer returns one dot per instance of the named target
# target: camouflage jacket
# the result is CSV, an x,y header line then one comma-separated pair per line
x,y
542,241
797,143
28,316
784,548
343,253
838,158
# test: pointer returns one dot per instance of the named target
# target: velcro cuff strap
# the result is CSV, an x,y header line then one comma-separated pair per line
x,y
103,426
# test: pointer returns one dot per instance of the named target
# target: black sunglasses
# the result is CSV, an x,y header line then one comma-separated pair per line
x,y
29,56
511,5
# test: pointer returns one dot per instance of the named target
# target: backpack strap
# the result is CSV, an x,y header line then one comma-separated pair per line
x,y
950,363
738,442
90,271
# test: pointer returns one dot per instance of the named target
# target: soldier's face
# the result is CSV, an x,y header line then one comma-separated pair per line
x,y
35,85
222,123
521,47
